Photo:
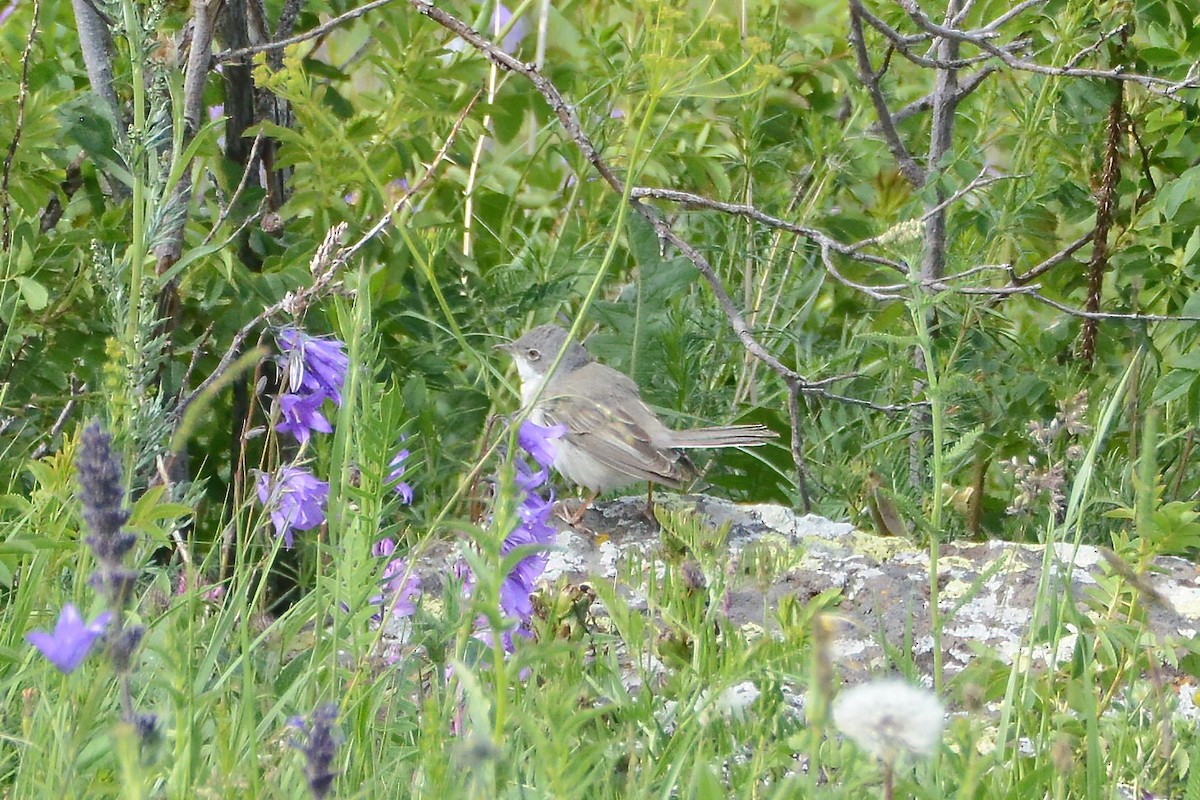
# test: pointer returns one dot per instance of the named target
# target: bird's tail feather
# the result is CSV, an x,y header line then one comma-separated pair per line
x,y
724,436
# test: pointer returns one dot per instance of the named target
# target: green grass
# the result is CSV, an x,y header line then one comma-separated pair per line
x,y
509,226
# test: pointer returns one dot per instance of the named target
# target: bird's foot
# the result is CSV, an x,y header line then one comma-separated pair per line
x,y
575,517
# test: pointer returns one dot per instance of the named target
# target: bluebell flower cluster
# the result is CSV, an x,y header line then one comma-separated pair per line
x,y
400,584
533,528
315,371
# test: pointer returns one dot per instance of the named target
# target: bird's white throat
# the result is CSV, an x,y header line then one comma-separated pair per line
x,y
531,380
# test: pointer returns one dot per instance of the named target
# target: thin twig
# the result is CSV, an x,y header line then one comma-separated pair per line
x,y
22,93
887,126
1162,86
75,393
798,447
965,87
977,182
1016,10
197,351
313,33
71,183
750,212
347,253
1103,315
1053,261
1120,30
971,271
251,164
902,43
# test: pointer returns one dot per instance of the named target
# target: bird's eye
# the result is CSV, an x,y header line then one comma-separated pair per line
x,y
534,354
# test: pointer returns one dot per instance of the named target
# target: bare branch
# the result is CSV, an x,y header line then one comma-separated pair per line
x,y
314,33
798,447
981,39
979,181
95,41
1053,261
251,163
972,271
1016,10
287,19
71,183
199,58
887,126
941,129
74,392
903,43
1121,31
892,292
750,212
22,94
168,251
1103,315
965,87
347,253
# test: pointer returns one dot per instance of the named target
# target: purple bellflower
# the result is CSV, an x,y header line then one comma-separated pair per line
x,y
302,416
315,365
72,639
315,370
401,488
541,442
401,586
296,500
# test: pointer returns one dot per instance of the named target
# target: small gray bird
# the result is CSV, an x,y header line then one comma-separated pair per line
x,y
613,439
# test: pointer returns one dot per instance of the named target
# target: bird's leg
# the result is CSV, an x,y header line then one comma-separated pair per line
x,y
649,512
575,518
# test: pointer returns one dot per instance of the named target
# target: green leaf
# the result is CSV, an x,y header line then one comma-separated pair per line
x,y
1177,192
33,293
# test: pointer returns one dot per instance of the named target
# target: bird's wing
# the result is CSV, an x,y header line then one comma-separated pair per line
x,y
611,423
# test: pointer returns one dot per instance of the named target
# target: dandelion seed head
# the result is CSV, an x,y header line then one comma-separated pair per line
x,y
889,716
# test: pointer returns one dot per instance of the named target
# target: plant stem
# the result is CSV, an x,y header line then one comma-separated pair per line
x,y
937,424
137,237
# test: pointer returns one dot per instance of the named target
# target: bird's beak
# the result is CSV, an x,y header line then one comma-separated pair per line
x,y
505,346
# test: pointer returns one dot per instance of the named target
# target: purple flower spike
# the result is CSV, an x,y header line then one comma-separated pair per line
x,y
318,742
72,639
316,367
301,416
296,500
534,527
